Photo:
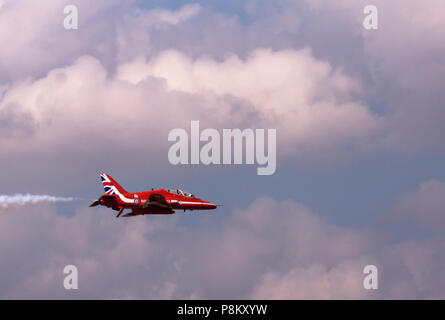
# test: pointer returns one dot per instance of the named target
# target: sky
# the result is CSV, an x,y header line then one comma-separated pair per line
x,y
359,119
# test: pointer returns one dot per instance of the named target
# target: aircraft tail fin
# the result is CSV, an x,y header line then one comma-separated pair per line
x,y
110,185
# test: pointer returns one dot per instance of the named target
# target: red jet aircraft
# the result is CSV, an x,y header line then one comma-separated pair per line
x,y
147,202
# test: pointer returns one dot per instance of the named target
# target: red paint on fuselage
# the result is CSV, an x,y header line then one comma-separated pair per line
x,y
148,202
138,199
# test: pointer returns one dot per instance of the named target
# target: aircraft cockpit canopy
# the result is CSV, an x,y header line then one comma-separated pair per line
x,y
181,192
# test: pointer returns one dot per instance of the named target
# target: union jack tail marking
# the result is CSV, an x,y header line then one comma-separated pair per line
x,y
110,185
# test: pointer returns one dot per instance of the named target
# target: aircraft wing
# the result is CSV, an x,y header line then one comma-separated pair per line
x,y
156,200
131,214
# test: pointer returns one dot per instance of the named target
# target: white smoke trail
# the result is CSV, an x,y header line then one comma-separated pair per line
x,y
7,202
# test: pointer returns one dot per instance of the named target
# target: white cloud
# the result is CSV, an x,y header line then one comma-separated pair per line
x,y
35,41
310,103
319,110
404,60
314,282
268,250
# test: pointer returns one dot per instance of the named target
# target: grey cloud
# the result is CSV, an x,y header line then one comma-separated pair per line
x,y
268,250
14,123
425,207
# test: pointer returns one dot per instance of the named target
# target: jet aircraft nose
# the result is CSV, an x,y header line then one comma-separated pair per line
x,y
212,206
